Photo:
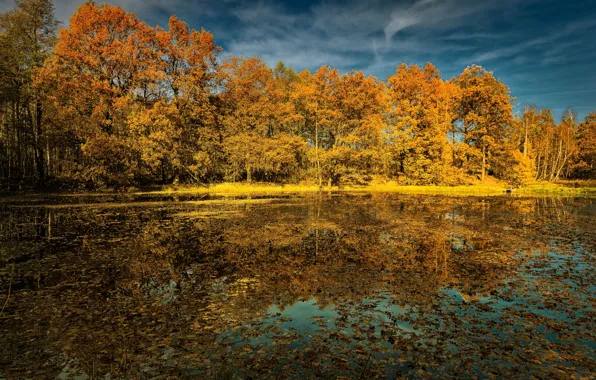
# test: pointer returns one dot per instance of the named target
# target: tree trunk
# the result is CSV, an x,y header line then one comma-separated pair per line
x,y
317,152
453,145
39,154
526,140
49,171
556,163
483,163
563,163
545,165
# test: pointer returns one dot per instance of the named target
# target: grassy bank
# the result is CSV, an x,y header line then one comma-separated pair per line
x,y
587,188
242,188
552,189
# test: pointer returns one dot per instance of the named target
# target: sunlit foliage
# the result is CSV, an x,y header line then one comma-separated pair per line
x,y
112,102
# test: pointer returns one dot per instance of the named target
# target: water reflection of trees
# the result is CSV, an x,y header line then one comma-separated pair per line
x,y
115,289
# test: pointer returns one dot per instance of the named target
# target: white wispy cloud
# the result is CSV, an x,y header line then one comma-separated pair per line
x,y
145,9
348,33
343,34
545,43
440,14
524,42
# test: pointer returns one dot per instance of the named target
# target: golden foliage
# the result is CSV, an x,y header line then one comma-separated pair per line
x,y
121,104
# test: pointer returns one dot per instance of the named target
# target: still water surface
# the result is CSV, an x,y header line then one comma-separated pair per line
x,y
297,286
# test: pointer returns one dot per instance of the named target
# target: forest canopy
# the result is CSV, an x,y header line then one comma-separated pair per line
x,y
109,101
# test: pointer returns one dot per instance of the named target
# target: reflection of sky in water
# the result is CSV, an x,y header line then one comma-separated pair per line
x,y
218,286
302,314
304,317
304,320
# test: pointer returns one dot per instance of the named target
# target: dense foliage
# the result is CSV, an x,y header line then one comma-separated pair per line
x,y
112,102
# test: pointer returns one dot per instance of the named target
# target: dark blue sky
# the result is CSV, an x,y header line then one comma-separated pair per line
x,y
545,50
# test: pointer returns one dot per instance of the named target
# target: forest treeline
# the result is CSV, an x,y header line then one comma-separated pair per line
x,y
109,101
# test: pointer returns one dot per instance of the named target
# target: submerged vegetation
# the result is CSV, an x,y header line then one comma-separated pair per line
x,y
109,102
316,285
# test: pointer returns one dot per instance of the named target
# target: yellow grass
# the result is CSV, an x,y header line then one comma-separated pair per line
x,y
242,188
474,190
562,189
554,189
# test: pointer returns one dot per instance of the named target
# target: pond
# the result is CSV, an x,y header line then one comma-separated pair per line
x,y
322,285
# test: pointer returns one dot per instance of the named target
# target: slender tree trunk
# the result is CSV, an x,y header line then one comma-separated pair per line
x,y
317,152
19,165
49,171
556,163
526,139
545,169
10,148
563,162
548,157
39,154
483,163
453,145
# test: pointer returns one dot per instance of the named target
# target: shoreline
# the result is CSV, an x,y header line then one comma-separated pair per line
x,y
587,189
550,189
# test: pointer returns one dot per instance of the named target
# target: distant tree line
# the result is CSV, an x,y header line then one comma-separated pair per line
x,y
111,102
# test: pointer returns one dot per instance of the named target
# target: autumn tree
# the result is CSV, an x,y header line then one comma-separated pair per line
x,y
315,104
356,132
93,78
515,168
256,116
247,112
281,88
553,145
514,160
542,138
420,121
341,116
483,114
529,123
567,146
584,165
247,102
174,123
27,37
112,102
